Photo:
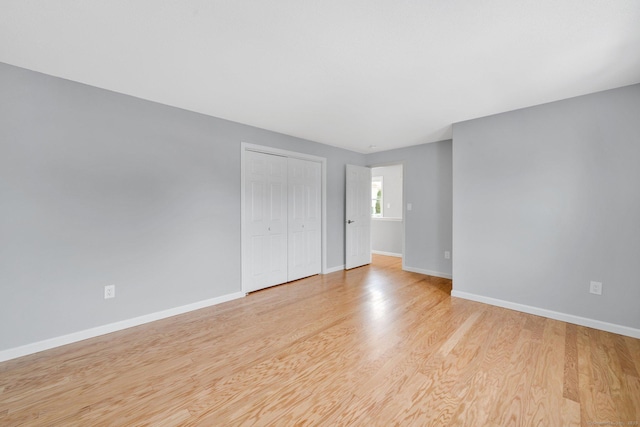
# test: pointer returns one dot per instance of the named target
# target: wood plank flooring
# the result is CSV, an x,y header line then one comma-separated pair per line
x,y
374,346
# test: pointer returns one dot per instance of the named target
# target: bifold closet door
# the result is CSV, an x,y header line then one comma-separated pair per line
x,y
304,218
265,219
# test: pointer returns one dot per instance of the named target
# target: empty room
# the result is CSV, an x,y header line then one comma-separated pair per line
x,y
356,213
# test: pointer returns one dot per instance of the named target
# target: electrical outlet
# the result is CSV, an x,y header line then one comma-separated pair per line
x,y
109,291
409,206
447,255
595,288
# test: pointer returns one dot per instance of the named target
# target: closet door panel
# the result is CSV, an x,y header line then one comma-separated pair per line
x,y
304,218
266,219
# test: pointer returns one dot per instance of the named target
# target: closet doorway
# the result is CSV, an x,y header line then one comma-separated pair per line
x,y
282,216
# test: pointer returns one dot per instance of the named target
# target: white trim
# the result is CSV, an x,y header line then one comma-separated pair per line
x,y
333,269
564,317
279,152
243,231
427,272
324,217
386,253
244,147
385,218
50,343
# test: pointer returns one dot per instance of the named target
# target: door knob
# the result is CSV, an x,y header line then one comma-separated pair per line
x,y
349,221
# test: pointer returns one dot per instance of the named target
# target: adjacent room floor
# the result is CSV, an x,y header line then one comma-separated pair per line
x,y
374,346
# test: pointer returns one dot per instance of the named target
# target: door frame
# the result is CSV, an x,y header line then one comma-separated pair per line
x,y
404,200
244,147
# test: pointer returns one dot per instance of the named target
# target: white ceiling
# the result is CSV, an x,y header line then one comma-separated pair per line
x,y
348,73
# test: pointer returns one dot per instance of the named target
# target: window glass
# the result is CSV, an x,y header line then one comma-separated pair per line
x,y
377,205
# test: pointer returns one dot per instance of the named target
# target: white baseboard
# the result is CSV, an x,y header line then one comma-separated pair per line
x,y
427,272
386,253
333,269
569,318
47,344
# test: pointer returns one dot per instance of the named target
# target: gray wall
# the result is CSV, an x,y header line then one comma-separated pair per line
x,y
547,199
386,235
101,188
428,187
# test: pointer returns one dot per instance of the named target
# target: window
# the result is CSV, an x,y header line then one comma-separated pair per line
x,y
377,206
386,193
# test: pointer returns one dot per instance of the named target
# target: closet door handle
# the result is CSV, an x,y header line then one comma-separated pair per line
x,y
349,221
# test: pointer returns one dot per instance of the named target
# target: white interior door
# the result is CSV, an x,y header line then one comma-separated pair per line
x,y
358,217
266,220
304,211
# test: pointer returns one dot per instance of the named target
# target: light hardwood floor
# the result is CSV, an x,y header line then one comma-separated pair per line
x,y
375,346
